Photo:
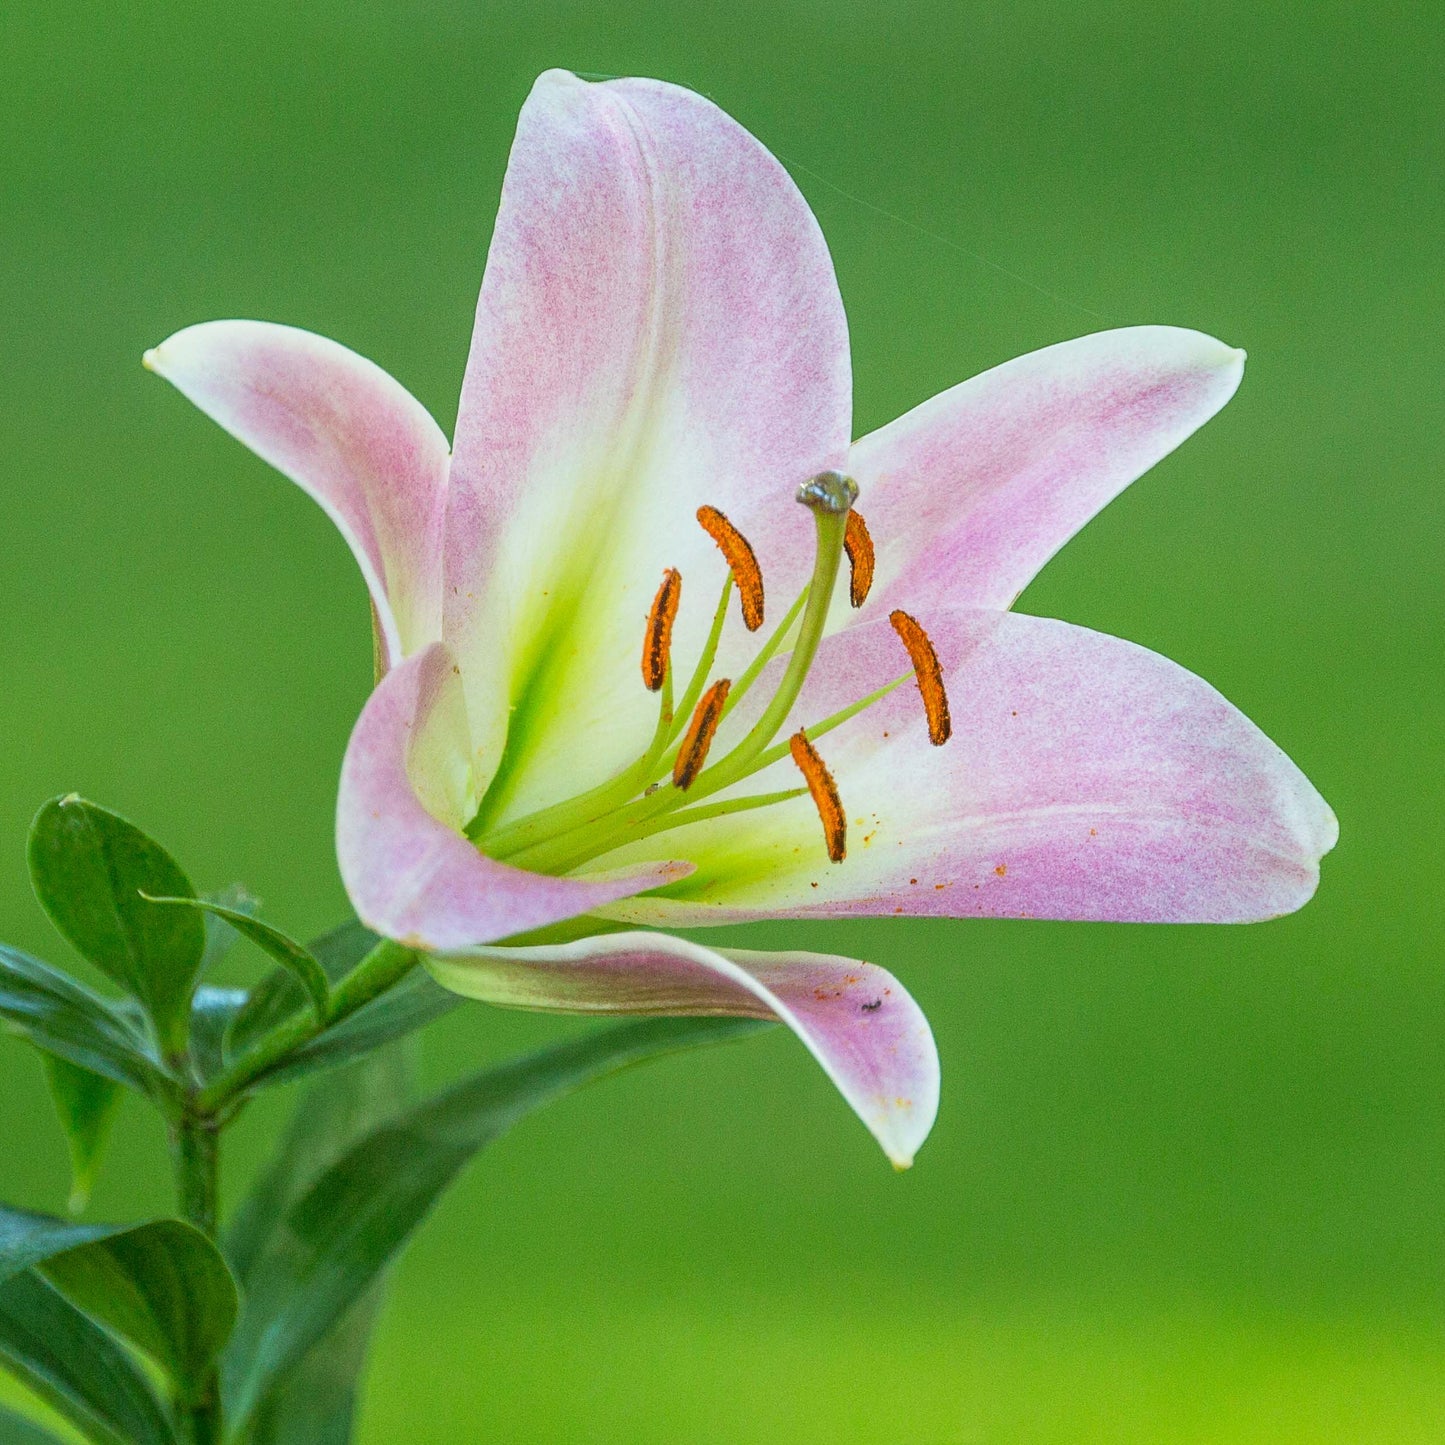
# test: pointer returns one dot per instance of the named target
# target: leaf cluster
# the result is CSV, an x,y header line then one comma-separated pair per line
x,y
172,1331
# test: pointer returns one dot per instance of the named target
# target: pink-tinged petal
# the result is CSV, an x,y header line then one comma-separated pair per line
x,y
659,327
344,431
406,793
856,1019
1086,778
969,494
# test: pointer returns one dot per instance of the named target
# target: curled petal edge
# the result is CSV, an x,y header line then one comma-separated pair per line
x,y
864,1028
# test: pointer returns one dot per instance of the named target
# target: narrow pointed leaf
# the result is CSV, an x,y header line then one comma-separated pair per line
x,y
86,1103
315,1403
412,1004
161,1285
91,869
62,1017
278,995
220,936
17,1430
357,1216
76,1367
286,951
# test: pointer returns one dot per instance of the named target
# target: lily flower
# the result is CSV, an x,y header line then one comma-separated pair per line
x,y
655,421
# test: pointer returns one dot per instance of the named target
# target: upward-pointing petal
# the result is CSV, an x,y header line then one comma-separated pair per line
x,y
659,327
348,434
969,494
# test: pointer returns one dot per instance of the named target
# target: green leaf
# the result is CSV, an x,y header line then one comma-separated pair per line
x,y
286,951
76,1367
90,869
412,1004
86,1103
278,995
17,1430
213,1011
356,1217
315,1403
62,1017
220,936
161,1285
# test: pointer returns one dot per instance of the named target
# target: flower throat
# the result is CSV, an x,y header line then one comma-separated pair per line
x,y
665,787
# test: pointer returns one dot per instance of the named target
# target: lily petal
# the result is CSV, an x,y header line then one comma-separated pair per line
x,y
856,1019
349,435
969,494
659,327
1086,778
405,796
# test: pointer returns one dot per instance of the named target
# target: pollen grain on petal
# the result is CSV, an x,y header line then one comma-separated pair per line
x,y
741,559
657,645
825,794
928,673
859,546
700,730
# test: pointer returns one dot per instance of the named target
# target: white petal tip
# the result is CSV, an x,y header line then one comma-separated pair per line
x,y
150,358
901,1164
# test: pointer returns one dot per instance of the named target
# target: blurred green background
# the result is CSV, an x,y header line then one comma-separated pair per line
x,y
1188,1184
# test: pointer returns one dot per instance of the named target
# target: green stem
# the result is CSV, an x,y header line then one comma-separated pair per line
x,y
196,1154
384,967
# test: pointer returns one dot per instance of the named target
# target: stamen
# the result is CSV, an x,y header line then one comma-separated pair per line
x,y
741,559
657,645
705,718
825,794
928,673
859,547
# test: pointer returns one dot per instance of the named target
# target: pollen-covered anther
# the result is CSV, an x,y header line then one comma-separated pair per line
x,y
928,673
700,731
657,645
858,544
825,794
742,561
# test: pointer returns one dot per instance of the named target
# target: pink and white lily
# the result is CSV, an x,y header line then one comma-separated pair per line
x,y
660,331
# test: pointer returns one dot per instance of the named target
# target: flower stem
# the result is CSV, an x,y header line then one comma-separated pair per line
x,y
195,1150
384,967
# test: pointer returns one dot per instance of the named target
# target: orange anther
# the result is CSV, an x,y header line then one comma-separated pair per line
x,y
859,547
825,794
657,645
705,718
928,673
741,559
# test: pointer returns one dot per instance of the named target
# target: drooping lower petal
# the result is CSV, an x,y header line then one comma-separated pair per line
x,y
406,794
659,328
1086,778
856,1019
970,493
349,435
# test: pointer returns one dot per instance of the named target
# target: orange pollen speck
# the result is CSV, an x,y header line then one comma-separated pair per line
x,y
742,561
657,645
705,718
929,674
859,547
825,794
